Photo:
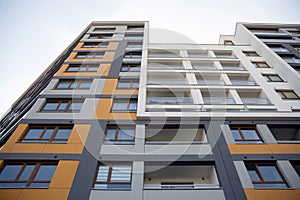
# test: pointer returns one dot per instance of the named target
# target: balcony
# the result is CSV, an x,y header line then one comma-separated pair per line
x,y
233,68
218,100
210,82
243,82
165,67
163,55
169,100
254,101
167,82
199,67
286,133
198,54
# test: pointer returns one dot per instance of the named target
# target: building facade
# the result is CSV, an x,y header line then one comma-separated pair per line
x,y
116,116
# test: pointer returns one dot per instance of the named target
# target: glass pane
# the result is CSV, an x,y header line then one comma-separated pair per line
x,y
10,172
45,172
74,85
62,106
34,133
135,84
132,106
250,134
73,69
93,69
120,106
124,85
253,175
12,185
110,133
63,133
126,134
26,172
85,84
75,106
82,69
48,133
121,174
134,68
39,185
275,78
236,134
270,185
124,69
102,173
118,186
63,85
269,173
290,95
50,106
100,186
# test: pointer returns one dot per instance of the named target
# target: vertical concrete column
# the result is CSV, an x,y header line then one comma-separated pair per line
x,y
265,133
140,138
289,173
137,179
243,174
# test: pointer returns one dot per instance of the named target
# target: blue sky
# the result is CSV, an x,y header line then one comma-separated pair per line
x,y
35,32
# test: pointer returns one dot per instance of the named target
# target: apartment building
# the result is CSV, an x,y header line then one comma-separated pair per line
x,y
116,116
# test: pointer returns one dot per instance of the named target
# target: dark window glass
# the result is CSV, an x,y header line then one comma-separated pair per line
x,y
244,134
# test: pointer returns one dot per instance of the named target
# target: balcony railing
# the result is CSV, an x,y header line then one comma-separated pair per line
x,y
163,55
167,82
254,101
179,186
169,100
167,67
210,82
226,56
218,100
204,67
242,82
233,68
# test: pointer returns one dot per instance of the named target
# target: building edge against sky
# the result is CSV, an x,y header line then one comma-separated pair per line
x,y
115,116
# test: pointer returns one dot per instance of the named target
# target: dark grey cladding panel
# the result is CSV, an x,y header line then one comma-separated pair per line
x,y
265,157
117,61
225,168
38,156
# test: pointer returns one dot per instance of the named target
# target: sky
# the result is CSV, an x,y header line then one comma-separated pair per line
x,y
34,32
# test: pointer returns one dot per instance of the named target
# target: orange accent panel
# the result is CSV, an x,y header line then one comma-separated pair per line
x,y
290,148
249,149
9,194
129,92
102,71
20,130
109,86
111,46
28,148
45,194
108,57
277,194
79,134
104,108
63,148
64,174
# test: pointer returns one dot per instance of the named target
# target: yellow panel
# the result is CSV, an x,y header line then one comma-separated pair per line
x,y
111,46
64,174
278,194
9,194
79,134
249,149
108,57
109,86
128,92
276,149
63,148
27,148
15,137
104,108
44,194
290,148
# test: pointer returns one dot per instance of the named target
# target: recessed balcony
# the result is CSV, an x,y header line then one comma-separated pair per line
x,y
286,133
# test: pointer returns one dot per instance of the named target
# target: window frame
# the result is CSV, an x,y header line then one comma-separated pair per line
x,y
261,177
244,140
116,140
258,64
129,66
59,102
73,81
96,36
95,45
283,96
133,54
251,53
51,138
131,82
268,79
109,175
80,66
90,55
128,101
33,173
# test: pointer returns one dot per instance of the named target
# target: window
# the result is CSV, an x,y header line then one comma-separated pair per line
x,y
251,53
130,67
287,94
296,166
100,36
90,55
272,78
47,134
245,134
104,29
113,176
265,175
124,105
228,42
261,64
63,105
27,175
134,44
285,133
128,84
83,68
133,54
120,134
72,84
95,44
